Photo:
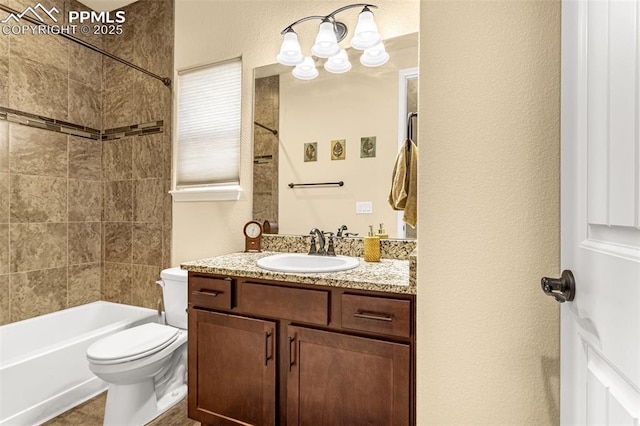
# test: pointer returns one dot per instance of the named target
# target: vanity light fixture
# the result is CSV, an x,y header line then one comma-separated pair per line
x,y
332,32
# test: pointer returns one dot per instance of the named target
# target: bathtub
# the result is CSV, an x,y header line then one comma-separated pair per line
x,y
43,366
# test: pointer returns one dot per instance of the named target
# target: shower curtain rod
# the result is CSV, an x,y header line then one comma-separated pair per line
x,y
165,80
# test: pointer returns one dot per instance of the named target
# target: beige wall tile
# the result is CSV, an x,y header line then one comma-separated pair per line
x,y
143,100
4,250
4,144
37,246
167,202
141,11
38,199
4,80
84,242
85,158
85,66
167,152
84,284
38,89
117,242
51,52
153,97
153,50
115,73
5,300
5,196
148,200
116,282
85,200
4,42
166,248
117,159
117,201
144,290
38,292
120,106
37,152
85,105
147,244
148,156
91,38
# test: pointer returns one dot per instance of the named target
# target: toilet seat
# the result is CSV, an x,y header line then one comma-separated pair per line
x,y
132,344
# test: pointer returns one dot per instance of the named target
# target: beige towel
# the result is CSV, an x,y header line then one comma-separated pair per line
x,y
404,183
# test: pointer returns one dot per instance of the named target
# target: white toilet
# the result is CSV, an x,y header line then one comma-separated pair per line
x,y
146,366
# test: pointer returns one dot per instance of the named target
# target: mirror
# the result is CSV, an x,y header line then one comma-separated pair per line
x,y
336,128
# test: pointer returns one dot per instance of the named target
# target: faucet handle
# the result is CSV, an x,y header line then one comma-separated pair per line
x,y
313,249
331,251
350,234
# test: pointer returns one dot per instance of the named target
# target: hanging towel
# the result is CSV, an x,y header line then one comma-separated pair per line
x,y
403,194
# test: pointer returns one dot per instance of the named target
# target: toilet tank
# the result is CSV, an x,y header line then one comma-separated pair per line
x,y
174,294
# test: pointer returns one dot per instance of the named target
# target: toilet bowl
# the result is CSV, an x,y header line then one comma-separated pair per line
x,y
146,366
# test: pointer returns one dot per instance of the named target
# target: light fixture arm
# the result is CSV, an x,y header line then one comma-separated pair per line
x,y
330,17
365,5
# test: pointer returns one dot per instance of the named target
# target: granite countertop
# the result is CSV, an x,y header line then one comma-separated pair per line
x,y
388,275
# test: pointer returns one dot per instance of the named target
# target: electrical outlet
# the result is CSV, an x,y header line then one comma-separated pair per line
x,y
364,207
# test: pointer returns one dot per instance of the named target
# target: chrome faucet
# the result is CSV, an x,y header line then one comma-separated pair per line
x,y
315,232
341,230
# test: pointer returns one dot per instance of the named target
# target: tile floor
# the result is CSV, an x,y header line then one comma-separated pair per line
x,y
91,413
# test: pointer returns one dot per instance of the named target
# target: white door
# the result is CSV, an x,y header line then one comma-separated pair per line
x,y
600,173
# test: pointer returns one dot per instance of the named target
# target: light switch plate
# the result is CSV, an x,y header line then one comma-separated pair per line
x,y
364,207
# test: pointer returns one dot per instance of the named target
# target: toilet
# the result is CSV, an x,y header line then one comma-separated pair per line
x,y
146,366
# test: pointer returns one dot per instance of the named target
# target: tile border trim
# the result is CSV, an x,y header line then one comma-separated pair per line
x,y
65,127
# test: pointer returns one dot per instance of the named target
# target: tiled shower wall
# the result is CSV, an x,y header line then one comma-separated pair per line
x,y
265,148
137,169
81,219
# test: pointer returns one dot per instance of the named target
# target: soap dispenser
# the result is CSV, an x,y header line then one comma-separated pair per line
x,y
381,232
371,247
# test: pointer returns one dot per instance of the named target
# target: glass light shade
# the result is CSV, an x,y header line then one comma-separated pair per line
x,y
339,63
374,56
306,70
326,44
290,51
366,34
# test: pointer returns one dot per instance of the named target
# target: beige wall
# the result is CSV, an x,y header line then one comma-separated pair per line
x,y
489,212
211,31
360,103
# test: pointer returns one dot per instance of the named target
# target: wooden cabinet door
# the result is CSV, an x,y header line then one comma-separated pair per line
x,y
337,379
232,369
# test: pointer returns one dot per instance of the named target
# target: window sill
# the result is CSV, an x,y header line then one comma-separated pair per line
x,y
221,193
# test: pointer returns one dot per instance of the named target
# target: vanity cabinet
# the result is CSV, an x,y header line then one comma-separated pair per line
x,y
337,379
274,353
234,377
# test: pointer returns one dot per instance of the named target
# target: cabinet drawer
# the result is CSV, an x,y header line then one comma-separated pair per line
x,y
376,314
295,304
210,292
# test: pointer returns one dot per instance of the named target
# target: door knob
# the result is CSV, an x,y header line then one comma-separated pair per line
x,y
563,288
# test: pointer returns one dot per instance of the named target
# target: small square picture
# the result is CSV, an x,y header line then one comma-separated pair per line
x,y
311,151
338,149
368,147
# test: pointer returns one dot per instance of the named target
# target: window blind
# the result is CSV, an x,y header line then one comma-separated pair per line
x,y
208,146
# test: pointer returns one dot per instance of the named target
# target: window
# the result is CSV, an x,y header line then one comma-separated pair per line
x,y
208,133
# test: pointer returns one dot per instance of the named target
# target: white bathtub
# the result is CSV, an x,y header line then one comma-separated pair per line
x,y
43,366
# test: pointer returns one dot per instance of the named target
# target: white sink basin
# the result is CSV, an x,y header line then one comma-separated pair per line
x,y
298,262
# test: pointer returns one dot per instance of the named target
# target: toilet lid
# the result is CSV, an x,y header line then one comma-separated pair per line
x,y
132,343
